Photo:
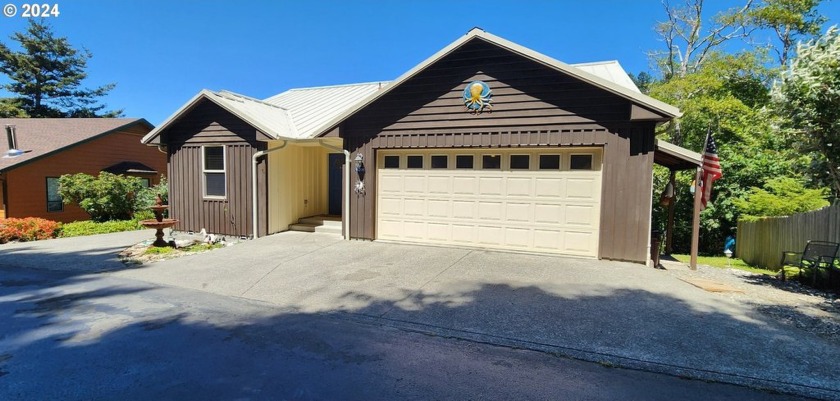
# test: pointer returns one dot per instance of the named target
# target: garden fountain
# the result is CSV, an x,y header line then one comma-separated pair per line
x,y
159,223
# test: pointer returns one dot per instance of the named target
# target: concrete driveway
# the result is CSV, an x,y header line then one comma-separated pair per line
x,y
619,314
611,312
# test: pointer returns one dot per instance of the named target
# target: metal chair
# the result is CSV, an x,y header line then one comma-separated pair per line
x,y
816,256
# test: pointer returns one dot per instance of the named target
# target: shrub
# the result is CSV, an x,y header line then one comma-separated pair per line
x,y
28,229
79,228
141,215
146,197
104,198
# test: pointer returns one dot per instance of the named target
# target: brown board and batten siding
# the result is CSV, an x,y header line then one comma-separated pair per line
x,y
209,124
533,105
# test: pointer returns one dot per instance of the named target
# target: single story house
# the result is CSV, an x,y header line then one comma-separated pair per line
x,y
37,151
484,144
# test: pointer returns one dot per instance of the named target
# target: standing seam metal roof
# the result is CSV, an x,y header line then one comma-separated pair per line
x,y
310,108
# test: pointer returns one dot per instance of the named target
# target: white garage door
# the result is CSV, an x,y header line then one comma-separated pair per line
x,y
532,200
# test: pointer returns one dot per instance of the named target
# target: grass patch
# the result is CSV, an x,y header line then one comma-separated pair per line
x,y
159,250
722,262
201,247
168,250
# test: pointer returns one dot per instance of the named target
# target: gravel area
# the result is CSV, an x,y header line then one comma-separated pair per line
x,y
813,310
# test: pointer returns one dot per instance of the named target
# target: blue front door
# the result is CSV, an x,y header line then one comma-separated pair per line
x,y
336,161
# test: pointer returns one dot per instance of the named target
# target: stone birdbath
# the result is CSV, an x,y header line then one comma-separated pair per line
x,y
159,223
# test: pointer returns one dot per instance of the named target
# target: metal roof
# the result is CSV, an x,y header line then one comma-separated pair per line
x,y
310,108
40,137
294,114
609,70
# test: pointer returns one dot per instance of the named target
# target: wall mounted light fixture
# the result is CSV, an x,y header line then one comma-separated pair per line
x,y
360,163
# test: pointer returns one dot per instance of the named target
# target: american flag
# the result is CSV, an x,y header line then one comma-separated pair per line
x,y
711,169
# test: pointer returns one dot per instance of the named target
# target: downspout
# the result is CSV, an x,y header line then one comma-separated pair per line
x,y
345,217
254,203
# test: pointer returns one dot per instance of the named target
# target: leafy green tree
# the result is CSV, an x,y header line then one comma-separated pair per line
x,y
106,197
808,100
728,94
723,93
782,196
47,74
790,20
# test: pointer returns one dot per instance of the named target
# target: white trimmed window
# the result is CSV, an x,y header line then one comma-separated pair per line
x,y
213,163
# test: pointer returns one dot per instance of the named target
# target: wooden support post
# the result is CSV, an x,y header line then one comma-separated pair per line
x,y
695,221
669,227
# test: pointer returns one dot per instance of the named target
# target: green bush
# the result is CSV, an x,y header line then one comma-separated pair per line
x,y
781,196
28,229
141,215
106,197
146,197
79,228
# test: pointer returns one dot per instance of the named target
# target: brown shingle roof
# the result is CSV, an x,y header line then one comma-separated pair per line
x,y
44,136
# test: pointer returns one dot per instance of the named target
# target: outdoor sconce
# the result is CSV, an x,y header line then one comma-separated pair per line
x,y
360,164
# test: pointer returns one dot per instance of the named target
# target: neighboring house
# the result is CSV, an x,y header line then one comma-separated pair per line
x,y
559,162
53,147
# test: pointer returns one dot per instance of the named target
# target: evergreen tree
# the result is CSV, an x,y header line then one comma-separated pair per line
x,y
46,77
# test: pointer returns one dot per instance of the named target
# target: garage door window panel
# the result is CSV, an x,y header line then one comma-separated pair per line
x,y
414,161
520,162
491,162
549,162
464,161
391,162
440,161
580,162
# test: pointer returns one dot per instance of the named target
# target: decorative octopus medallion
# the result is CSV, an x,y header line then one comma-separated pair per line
x,y
478,96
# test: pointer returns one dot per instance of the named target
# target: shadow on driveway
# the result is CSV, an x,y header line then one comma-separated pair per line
x,y
114,339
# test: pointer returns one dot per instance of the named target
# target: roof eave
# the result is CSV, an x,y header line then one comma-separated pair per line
x,y
680,153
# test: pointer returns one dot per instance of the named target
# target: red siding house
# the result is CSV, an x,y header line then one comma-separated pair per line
x,y
35,152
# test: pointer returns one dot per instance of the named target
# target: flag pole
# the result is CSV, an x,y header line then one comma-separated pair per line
x,y
695,225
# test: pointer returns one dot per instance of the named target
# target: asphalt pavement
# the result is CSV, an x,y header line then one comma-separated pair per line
x,y
612,313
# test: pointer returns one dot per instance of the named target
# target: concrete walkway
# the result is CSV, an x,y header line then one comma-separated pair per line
x,y
615,313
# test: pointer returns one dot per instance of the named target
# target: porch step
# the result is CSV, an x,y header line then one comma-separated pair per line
x,y
318,224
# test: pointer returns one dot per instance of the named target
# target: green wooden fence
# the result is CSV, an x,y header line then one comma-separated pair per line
x,y
761,242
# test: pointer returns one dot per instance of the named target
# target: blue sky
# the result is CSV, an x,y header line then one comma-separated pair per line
x,y
161,53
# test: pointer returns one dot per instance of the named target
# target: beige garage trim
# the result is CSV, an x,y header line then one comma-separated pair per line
x,y
534,201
